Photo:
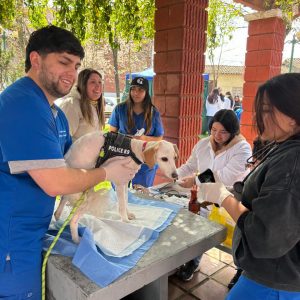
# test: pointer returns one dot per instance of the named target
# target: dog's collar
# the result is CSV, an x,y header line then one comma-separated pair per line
x,y
116,144
144,146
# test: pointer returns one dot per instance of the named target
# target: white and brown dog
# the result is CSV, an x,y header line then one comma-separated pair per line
x,y
84,153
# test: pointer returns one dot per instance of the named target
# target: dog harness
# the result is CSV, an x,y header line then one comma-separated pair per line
x,y
116,144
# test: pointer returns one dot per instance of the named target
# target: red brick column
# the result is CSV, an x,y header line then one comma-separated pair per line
x,y
263,60
179,63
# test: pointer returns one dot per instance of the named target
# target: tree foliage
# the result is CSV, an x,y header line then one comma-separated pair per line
x,y
110,21
221,26
92,21
290,10
7,13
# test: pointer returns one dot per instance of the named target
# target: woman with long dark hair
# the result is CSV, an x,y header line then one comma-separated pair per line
x,y
266,240
137,116
84,106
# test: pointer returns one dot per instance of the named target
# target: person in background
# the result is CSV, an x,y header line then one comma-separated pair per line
x,y
213,104
84,106
138,114
225,152
238,109
228,101
237,102
266,240
34,136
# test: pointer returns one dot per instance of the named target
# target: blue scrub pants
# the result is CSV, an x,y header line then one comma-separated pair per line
x,y
21,286
248,289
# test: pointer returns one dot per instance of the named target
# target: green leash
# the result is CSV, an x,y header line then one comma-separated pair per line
x,y
66,222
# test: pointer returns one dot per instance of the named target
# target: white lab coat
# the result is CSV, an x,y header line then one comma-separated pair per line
x,y
228,164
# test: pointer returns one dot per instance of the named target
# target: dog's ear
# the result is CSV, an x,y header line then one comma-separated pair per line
x,y
176,151
150,155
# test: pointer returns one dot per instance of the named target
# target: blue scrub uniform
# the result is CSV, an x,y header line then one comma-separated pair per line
x,y
118,119
29,131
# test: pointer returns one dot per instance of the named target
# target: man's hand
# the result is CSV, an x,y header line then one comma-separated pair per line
x,y
187,182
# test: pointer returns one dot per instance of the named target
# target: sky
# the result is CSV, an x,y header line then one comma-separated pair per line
x,y
234,51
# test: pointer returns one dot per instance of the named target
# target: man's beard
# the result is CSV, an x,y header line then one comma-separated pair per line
x,y
51,86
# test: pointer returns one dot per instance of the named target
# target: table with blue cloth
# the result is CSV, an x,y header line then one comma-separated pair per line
x,y
185,238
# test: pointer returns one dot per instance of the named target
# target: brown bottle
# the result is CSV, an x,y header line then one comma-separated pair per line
x,y
194,205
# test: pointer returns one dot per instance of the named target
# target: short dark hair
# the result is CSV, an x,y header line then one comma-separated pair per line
x,y
282,92
52,39
229,120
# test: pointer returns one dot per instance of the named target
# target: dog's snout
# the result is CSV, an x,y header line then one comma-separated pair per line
x,y
174,175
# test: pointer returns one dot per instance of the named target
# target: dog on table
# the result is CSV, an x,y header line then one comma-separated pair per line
x,y
84,153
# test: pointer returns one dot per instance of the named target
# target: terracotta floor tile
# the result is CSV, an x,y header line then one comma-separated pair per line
x,y
174,292
220,255
216,270
210,265
226,257
197,278
225,275
213,252
211,290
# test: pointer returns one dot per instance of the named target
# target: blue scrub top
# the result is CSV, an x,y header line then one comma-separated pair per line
x,y
119,119
28,131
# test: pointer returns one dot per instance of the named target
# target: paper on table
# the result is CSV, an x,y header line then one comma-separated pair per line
x,y
116,238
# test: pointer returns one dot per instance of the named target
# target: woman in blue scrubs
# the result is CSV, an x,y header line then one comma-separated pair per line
x,y
135,114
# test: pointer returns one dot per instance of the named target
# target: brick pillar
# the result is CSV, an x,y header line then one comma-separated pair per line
x,y
263,59
179,63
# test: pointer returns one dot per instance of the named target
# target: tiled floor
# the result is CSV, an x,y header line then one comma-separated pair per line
x,y
209,283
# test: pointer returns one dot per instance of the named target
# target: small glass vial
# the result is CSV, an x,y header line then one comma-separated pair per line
x,y
194,205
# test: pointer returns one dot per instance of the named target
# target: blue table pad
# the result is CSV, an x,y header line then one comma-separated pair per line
x,y
91,261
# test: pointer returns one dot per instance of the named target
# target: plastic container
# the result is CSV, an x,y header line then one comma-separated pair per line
x,y
221,216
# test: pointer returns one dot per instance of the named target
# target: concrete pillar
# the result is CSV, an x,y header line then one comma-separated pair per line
x,y
180,40
263,59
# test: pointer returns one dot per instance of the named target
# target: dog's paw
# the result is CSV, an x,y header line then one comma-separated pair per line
x,y
125,219
130,215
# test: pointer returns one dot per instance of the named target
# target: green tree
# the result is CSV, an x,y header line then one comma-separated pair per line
x,y
5,58
220,28
96,20
290,10
7,13
16,34
112,21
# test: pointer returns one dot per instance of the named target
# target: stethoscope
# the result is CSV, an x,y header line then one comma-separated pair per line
x,y
260,156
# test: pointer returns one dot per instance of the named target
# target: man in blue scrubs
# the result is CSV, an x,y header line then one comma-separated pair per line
x,y
34,136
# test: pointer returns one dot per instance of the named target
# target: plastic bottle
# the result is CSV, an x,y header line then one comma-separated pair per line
x,y
194,205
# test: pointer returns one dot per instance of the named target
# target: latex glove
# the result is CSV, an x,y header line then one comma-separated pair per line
x,y
121,170
187,182
213,192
